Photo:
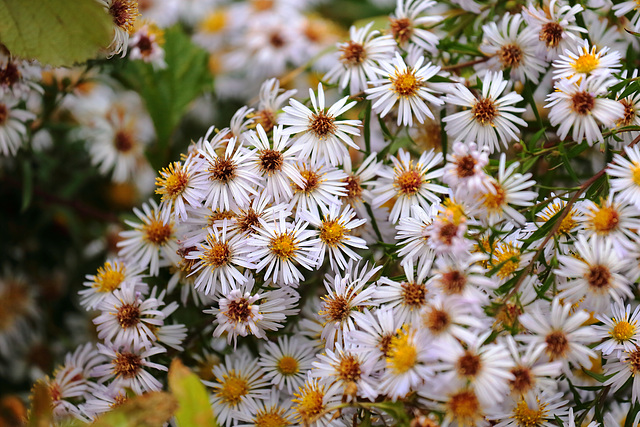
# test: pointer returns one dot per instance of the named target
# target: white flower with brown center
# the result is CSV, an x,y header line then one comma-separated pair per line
x,y
323,187
320,135
276,163
464,170
596,276
625,176
410,182
406,21
581,104
406,86
622,366
124,14
13,130
512,47
488,119
357,58
406,297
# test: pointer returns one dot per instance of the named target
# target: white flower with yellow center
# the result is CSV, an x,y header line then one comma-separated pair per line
x,y
286,362
320,136
581,104
625,7
539,410
620,367
334,235
460,405
613,220
621,329
407,86
124,14
376,328
597,275
316,405
410,183
489,119
180,186
356,59
625,176
323,185
274,411
586,61
510,188
279,246
238,384
109,277
149,239
512,47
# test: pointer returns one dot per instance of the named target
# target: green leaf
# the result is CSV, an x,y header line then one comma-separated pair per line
x,y
599,377
367,128
55,32
41,413
148,410
168,92
194,409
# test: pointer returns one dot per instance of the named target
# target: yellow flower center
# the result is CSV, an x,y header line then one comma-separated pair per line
x,y
527,417
271,419
283,246
109,277
510,256
464,407
587,62
288,365
636,173
233,389
214,22
605,219
403,354
157,232
218,254
496,200
623,331
173,182
405,84
332,232
310,403
567,224
408,182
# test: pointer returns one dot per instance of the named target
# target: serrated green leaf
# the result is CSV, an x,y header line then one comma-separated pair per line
x,y
148,410
55,32
194,409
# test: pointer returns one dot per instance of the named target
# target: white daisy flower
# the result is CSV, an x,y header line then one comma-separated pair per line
x,y
571,422
180,186
319,135
286,362
581,104
18,77
463,276
109,277
622,8
238,384
540,410
587,62
569,225
625,175
507,256
129,319
406,298
530,376
612,220
413,232
375,330
488,120
410,183
359,183
218,260
446,233
272,411
126,366
232,178
103,399
12,126
352,371
510,188
407,364
460,405
124,14
555,25
277,164
323,187
335,235
315,404
409,15
512,47
270,100
464,170
346,294
596,276
622,366
278,245
486,368
630,117
241,312
146,43
450,318
559,333
357,58
620,329
407,86
148,240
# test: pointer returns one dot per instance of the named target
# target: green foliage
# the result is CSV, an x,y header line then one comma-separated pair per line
x,y
55,32
194,409
168,92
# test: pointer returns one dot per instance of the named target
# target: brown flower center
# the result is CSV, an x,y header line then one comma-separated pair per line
x,y
484,111
124,141
384,344
413,294
124,13
453,282
447,232
401,29
277,40
408,182
436,320
582,103
126,364
551,34
522,380
247,219
4,114
510,55
634,361
353,54
336,308
465,166
270,161
9,75
469,364
312,181
599,277
322,125
238,310
266,118
629,113
222,170
145,45
557,345
128,315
